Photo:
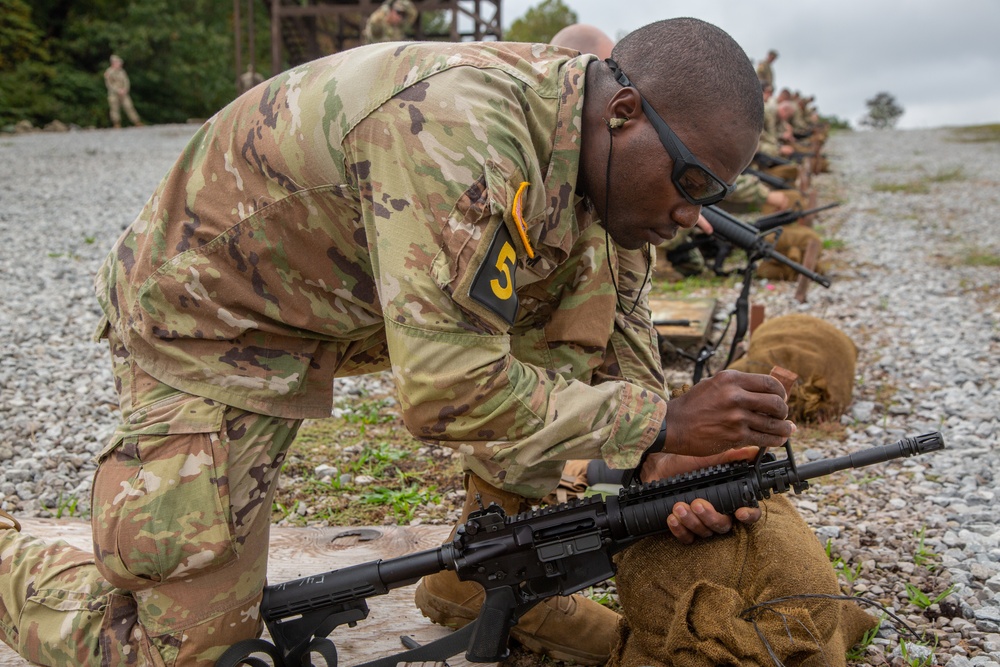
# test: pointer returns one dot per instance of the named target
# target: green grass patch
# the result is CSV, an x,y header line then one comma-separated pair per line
x,y
380,473
976,133
911,188
921,186
978,258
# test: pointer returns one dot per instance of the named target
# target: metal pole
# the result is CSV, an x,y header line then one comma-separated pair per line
x,y
252,57
238,35
275,37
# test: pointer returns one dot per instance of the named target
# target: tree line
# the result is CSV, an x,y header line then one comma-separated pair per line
x,y
178,53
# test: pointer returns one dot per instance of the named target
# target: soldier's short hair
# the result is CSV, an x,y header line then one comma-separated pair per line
x,y
686,67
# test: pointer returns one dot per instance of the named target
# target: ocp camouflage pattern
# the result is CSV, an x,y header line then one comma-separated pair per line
x,y
336,217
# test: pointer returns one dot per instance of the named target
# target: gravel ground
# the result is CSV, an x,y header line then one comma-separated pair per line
x,y
924,316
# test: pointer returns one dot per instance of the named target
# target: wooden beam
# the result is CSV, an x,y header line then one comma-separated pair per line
x,y
809,261
300,552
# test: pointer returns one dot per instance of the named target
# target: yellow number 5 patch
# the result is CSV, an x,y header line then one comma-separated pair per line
x,y
494,285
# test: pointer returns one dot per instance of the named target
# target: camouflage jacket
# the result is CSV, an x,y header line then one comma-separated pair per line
x,y
116,81
768,143
765,73
407,207
749,191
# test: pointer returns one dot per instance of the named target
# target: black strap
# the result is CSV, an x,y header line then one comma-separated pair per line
x,y
438,650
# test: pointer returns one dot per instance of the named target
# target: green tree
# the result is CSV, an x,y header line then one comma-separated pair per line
x,y
178,54
24,69
541,23
883,112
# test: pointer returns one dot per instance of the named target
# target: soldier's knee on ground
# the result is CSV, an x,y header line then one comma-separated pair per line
x,y
161,508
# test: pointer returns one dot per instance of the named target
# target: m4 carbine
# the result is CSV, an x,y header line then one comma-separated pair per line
x,y
521,560
737,233
768,222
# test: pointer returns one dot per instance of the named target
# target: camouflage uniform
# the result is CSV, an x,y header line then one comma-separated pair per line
x,y
770,143
412,209
117,83
378,27
750,194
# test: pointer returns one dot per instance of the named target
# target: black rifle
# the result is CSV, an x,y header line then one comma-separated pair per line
x,y
768,222
729,232
767,161
521,560
769,179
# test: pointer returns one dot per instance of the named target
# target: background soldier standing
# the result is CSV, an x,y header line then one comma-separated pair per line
x,y
118,86
764,70
390,22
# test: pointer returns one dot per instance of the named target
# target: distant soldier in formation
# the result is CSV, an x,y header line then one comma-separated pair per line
x,y
118,86
390,21
764,71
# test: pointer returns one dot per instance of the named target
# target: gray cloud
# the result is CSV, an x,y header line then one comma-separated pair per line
x,y
940,60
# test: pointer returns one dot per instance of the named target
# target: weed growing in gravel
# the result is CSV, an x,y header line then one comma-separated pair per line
x,y
923,557
66,506
923,653
922,600
850,574
858,651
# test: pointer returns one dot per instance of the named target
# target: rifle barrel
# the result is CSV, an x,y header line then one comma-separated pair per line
x,y
747,237
921,444
768,222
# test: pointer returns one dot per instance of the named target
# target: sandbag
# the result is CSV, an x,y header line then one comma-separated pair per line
x,y
792,244
688,605
821,355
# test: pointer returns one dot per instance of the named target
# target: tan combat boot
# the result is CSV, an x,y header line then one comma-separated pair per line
x,y
572,629
7,522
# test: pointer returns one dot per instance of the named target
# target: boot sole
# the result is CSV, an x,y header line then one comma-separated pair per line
x,y
446,613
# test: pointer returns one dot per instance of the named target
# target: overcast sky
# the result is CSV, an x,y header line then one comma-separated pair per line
x,y
940,59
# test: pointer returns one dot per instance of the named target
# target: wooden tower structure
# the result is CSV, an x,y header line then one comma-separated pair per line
x,y
303,30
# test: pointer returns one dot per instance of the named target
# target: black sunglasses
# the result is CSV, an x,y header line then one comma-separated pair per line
x,y
692,179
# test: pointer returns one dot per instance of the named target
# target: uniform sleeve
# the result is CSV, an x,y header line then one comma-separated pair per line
x,y
439,175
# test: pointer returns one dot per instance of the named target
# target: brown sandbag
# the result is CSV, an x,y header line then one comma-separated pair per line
x,y
792,244
821,355
682,604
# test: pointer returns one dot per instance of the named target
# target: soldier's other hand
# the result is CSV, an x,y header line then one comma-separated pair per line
x,y
731,409
687,522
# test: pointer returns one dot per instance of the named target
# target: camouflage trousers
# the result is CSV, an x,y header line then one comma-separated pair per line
x,y
118,102
181,515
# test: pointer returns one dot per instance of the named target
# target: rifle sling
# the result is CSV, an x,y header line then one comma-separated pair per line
x,y
438,650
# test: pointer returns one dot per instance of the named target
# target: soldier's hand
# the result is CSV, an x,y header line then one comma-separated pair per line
x,y
731,409
699,519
